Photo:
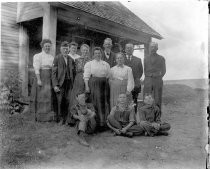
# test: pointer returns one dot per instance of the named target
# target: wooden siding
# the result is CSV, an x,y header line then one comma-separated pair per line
x,y
9,37
29,10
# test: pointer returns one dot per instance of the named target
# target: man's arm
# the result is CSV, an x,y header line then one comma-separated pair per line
x,y
55,72
163,67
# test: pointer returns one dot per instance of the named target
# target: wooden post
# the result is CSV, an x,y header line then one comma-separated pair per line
x,y
146,48
23,59
49,29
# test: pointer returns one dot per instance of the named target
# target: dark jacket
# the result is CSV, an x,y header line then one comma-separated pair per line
x,y
111,60
154,67
137,69
60,69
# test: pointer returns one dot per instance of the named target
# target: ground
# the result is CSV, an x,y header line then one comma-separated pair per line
x,y
30,145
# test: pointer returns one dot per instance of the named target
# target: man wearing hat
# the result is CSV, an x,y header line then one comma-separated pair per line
x,y
62,80
154,70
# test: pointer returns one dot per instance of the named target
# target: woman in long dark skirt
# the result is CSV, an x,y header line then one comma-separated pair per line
x,y
96,73
41,92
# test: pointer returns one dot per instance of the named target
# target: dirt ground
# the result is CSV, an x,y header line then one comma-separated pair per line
x,y
30,145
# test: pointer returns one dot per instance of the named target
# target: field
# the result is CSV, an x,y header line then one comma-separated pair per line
x,y
30,145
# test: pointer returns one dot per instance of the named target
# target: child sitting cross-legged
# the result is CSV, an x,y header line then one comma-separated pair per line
x,y
122,118
83,114
148,117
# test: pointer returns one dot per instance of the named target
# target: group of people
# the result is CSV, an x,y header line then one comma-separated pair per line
x,y
98,91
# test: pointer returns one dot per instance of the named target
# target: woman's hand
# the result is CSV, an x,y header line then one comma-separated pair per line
x,y
87,89
56,89
39,82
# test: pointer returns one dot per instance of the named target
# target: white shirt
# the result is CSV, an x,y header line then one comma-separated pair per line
x,y
96,69
42,61
129,57
74,57
107,56
123,73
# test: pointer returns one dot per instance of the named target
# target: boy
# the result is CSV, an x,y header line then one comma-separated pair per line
x,y
122,118
148,117
83,115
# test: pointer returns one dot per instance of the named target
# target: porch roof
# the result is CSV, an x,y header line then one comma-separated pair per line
x,y
116,12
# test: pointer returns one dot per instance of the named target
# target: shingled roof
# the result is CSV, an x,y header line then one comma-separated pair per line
x,y
115,12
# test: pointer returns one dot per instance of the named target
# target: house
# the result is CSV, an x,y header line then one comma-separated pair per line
x,y
25,24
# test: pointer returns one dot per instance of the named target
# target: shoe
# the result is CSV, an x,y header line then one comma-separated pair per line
x,y
83,141
162,133
129,134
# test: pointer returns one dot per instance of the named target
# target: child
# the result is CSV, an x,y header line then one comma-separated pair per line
x,y
83,115
149,118
122,118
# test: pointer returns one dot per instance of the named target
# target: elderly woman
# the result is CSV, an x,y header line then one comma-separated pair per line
x,y
41,93
121,80
79,85
96,73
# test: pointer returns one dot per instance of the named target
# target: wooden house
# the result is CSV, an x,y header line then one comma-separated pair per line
x,y
25,24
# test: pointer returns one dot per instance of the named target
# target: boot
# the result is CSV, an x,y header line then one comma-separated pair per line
x,y
82,139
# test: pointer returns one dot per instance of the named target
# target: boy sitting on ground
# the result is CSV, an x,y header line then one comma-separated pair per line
x,y
83,115
149,118
122,118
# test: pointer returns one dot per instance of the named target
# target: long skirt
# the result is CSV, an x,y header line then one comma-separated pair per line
x,y
41,100
99,95
117,87
79,86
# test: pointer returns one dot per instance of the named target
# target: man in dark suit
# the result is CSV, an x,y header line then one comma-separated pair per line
x,y
62,81
137,69
154,70
108,56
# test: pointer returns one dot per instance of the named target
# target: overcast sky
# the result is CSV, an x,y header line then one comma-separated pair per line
x,y
184,26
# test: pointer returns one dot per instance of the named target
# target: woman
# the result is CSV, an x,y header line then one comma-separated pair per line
x,y
79,85
96,73
41,93
121,79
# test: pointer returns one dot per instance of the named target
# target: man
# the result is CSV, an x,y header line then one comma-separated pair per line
x,y
108,56
154,70
62,79
136,66
73,54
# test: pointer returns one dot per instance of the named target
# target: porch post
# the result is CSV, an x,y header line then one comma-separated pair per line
x,y
49,29
23,59
146,48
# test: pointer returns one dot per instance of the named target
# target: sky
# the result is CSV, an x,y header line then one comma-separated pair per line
x,y
184,27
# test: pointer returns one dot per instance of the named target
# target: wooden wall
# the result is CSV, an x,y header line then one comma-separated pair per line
x,y
9,37
29,10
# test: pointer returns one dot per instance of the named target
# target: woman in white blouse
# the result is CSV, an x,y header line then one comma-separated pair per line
x,y
41,93
96,73
121,80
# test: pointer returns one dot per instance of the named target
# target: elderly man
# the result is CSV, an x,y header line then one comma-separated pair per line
x,y
154,70
108,56
136,66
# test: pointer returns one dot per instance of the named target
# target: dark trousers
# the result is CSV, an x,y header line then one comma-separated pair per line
x,y
63,100
154,85
88,125
136,130
147,126
135,93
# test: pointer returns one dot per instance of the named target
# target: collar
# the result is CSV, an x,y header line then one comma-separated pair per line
x,y
120,66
